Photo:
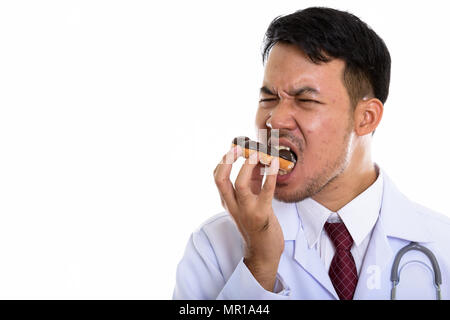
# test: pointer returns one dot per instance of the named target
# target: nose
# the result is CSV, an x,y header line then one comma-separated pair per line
x,y
281,117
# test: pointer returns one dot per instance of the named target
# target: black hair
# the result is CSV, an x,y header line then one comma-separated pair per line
x,y
325,33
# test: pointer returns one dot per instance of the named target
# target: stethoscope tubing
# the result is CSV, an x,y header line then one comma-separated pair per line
x,y
395,274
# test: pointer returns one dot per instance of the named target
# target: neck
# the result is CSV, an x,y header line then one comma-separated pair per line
x,y
360,174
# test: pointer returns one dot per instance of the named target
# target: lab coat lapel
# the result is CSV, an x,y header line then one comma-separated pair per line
x,y
398,219
310,261
378,256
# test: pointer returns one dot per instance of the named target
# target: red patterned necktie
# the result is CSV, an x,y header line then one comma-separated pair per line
x,y
342,269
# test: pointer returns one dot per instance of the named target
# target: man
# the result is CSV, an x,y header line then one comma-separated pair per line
x,y
331,228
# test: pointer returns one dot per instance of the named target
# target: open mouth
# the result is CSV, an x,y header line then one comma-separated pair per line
x,y
286,153
281,149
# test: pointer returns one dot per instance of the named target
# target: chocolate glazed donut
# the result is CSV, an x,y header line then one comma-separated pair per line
x,y
286,158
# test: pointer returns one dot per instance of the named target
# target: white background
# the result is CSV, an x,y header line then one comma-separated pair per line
x,y
92,91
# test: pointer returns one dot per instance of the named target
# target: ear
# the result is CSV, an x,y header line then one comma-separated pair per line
x,y
367,115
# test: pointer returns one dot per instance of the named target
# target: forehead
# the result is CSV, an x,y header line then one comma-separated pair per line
x,y
289,67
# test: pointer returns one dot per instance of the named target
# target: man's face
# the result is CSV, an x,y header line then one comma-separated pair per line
x,y
310,107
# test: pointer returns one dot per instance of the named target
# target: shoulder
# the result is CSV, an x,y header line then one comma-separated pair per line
x,y
407,219
437,222
216,220
221,224
221,232
437,226
405,209
219,238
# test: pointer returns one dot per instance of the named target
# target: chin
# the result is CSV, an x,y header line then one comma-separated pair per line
x,y
290,192
283,194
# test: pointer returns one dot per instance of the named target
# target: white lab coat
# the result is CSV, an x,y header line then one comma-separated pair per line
x,y
212,266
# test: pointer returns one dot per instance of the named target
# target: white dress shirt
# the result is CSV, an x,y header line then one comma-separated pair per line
x,y
359,216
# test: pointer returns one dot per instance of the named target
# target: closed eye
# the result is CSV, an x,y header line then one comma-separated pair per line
x,y
309,100
267,99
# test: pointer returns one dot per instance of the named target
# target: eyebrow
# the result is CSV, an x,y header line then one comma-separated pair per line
x,y
295,92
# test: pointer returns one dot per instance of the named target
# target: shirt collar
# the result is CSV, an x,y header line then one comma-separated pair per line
x,y
359,215
313,216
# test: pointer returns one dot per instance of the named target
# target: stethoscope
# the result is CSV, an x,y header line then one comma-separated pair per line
x,y
395,272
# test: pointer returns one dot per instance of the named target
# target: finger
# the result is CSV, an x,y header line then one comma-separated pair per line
x,y
224,205
232,155
222,176
243,180
268,189
257,178
225,165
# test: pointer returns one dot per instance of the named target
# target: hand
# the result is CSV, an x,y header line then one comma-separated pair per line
x,y
250,205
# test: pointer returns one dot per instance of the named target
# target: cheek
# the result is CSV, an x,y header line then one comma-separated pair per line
x,y
320,126
324,136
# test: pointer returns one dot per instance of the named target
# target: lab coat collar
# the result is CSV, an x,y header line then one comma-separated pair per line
x,y
400,217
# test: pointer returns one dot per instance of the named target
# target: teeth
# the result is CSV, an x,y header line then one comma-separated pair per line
x,y
282,148
282,172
